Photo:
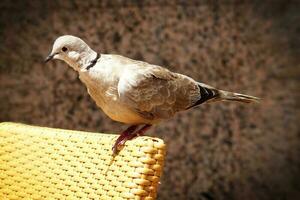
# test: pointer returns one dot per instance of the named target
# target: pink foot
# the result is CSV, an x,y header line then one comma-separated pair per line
x,y
129,134
140,132
123,138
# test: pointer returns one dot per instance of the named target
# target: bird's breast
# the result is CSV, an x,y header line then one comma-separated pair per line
x,y
104,91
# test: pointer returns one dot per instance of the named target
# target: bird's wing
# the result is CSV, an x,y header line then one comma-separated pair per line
x,y
155,92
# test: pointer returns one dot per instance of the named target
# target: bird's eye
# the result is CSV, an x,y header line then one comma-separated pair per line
x,y
64,49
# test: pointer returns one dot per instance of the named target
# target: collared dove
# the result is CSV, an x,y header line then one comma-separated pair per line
x,y
135,92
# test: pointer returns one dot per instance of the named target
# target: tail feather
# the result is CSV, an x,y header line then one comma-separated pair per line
x,y
210,94
232,96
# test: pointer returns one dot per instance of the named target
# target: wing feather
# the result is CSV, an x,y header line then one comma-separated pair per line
x,y
155,92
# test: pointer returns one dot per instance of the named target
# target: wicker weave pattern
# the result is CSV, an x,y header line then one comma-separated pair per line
x,y
40,163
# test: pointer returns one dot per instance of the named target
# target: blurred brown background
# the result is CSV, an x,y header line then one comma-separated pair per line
x,y
217,151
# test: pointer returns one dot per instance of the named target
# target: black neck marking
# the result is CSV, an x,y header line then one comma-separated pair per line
x,y
93,62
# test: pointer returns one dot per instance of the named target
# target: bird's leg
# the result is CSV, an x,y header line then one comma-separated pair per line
x,y
140,132
123,138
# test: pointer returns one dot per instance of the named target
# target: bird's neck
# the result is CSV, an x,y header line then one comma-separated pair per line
x,y
83,60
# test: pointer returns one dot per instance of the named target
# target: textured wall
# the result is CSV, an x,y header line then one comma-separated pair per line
x,y
217,151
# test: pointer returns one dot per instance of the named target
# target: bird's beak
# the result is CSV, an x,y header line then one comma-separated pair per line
x,y
50,57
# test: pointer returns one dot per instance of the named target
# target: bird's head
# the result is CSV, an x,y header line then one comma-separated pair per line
x,y
73,50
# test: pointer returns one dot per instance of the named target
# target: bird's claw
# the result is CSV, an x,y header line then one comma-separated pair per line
x,y
117,147
128,135
115,150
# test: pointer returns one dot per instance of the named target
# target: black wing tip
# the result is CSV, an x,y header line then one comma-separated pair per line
x,y
205,95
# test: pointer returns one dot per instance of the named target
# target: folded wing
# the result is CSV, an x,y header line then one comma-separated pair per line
x,y
155,92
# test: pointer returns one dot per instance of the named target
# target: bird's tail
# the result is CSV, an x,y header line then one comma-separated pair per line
x,y
210,94
232,96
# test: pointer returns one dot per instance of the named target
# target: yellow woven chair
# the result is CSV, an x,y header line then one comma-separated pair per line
x,y
47,163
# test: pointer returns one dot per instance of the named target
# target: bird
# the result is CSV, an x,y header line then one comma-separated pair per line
x,y
135,92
